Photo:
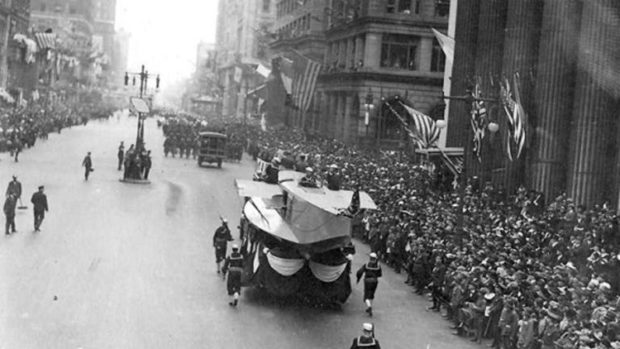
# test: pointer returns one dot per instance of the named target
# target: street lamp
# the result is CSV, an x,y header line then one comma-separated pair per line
x,y
143,75
369,106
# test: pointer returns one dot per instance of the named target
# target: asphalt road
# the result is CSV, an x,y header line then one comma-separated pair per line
x,y
131,266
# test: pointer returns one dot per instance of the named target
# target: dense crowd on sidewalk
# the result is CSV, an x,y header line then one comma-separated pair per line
x,y
504,267
21,126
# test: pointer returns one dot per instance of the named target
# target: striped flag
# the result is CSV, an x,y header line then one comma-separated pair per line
x,y
305,73
425,132
478,120
516,118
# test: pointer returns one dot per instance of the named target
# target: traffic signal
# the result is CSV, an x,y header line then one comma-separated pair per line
x,y
126,79
157,82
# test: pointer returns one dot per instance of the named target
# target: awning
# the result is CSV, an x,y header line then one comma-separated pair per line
x,y
45,40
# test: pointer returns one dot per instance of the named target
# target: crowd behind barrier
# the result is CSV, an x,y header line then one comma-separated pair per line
x,y
504,267
21,126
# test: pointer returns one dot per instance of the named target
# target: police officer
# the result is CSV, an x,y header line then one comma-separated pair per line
x,y
88,166
39,200
372,273
367,340
220,241
15,188
9,213
234,267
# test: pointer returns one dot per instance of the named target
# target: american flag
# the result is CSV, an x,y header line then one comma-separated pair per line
x,y
299,74
425,132
516,119
478,120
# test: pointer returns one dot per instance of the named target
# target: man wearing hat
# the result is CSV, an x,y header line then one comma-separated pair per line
x,y
39,202
9,213
272,171
367,339
549,327
15,188
371,272
333,178
308,180
234,267
88,166
220,242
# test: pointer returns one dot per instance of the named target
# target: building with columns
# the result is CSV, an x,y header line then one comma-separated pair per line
x,y
566,53
373,50
242,38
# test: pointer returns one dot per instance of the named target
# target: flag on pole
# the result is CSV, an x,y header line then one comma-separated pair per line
x,y
263,70
516,119
478,120
425,132
446,43
306,72
286,73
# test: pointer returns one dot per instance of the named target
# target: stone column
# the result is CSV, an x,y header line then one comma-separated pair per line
x,y
425,52
488,65
554,95
459,132
520,53
372,50
590,175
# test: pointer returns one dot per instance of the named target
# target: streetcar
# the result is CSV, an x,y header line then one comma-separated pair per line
x,y
295,239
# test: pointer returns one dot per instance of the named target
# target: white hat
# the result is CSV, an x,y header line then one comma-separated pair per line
x,y
224,220
333,166
235,247
367,326
309,169
372,255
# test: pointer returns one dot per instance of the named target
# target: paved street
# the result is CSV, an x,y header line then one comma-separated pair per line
x,y
131,266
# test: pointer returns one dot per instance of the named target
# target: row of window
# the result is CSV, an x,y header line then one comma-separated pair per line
x,y
285,7
398,51
296,28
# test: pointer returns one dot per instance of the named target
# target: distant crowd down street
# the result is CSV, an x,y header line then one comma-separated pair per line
x,y
501,266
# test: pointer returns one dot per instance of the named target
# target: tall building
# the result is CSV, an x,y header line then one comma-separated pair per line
x,y
369,50
104,13
565,54
243,29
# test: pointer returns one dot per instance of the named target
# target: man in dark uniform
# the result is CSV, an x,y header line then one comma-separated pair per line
x,y
39,200
272,171
333,178
367,339
220,241
308,180
9,213
147,165
234,267
121,155
372,273
15,188
88,166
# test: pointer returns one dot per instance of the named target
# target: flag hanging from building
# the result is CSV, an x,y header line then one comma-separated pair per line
x,y
425,132
516,118
302,76
238,74
446,43
478,120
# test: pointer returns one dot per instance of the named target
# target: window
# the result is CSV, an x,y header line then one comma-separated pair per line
x,y
442,8
404,6
399,51
391,6
266,5
438,58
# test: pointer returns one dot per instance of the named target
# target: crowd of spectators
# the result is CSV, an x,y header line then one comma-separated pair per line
x,y
504,267
21,126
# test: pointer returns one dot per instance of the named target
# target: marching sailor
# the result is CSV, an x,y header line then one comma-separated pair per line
x,y
220,242
367,339
372,273
234,267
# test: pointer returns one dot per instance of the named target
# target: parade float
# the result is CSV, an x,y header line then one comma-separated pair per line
x,y
295,239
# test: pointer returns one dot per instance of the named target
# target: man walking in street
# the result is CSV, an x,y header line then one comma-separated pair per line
x,y
15,188
234,267
88,166
220,241
371,272
39,200
9,213
121,155
367,340
146,165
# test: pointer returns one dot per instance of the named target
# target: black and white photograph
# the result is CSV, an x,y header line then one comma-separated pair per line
x,y
300,174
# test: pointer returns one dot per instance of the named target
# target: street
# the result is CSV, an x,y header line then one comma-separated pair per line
x,y
118,265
